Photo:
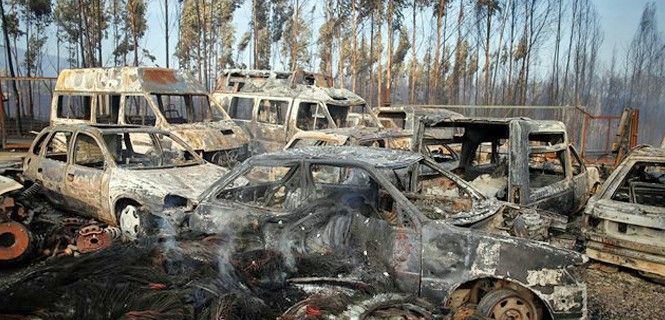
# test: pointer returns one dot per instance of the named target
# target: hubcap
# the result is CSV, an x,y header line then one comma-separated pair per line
x,y
129,221
512,308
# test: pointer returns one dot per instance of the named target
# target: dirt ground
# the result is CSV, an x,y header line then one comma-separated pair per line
x,y
622,294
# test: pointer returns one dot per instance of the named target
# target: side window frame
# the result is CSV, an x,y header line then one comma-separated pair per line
x,y
75,142
108,98
67,146
413,224
251,111
40,143
122,115
284,120
59,101
575,159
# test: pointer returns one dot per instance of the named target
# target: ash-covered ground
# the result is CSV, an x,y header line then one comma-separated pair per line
x,y
619,294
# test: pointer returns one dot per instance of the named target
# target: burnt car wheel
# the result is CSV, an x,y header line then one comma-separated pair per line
x,y
506,304
129,221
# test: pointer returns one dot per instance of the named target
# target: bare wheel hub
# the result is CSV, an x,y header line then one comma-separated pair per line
x,y
512,308
130,221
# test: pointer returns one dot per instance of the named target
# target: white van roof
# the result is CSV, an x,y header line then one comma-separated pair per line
x,y
128,80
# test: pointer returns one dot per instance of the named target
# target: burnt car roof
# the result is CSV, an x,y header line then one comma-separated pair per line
x,y
106,128
362,132
128,80
376,157
420,110
647,151
434,120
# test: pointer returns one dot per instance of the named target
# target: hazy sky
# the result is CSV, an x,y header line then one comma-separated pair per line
x,y
619,19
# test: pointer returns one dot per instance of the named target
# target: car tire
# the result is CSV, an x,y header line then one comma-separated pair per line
x,y
129,221
508,304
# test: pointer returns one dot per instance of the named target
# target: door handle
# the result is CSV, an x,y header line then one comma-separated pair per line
x,y
70,177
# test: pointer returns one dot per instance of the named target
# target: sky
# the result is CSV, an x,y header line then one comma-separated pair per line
x,y
619,20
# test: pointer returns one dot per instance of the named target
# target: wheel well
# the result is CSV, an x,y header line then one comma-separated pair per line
x,y
472,291
120,203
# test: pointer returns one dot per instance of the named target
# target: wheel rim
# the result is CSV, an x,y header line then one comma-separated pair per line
x,y
129,221
513,308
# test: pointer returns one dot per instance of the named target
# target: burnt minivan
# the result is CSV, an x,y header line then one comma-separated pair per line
x,y
273,106
167,99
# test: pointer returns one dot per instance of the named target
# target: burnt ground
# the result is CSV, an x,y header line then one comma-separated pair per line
x,y
622,294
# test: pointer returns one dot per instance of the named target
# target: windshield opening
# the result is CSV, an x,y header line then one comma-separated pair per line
x,y
339,115
311,116
438,196
275,187
187,108
142,150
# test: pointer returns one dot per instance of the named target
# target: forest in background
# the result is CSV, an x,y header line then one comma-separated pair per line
x,y
498,52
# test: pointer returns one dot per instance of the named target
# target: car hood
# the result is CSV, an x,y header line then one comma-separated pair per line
x,y
152,185
211,135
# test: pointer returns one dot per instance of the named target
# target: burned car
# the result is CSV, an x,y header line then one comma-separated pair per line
x,y
349,203
625,220
273,106
109,172
519,160
167,99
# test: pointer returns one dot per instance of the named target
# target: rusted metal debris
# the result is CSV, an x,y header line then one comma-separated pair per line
x,y
624,220
164,98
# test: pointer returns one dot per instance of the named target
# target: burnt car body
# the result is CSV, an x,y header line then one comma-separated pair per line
x,y
273,106
349,202
109,172
625,220
167,99
519,160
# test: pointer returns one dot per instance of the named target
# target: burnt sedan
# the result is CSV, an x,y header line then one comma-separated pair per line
x,y
625,224
391,217
109,172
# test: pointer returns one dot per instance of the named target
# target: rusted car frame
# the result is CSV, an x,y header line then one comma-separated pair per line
x,y
526,162
109,172
453,268
164,98
273,106
625,220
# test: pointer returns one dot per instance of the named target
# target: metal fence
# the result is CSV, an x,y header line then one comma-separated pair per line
x,y
25,112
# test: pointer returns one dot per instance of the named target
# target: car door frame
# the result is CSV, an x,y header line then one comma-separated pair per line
x,y
556,196
581,185
85,186
52,172
264,132
406,257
